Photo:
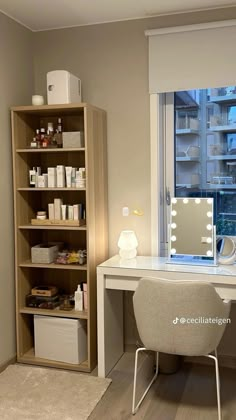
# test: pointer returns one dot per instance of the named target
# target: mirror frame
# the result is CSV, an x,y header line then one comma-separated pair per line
x,y
209,255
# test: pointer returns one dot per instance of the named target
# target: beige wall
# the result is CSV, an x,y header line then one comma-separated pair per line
x,y
16,84
112,62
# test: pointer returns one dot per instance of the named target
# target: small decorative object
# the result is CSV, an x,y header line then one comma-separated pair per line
x,y
67,302
72,257
37,100
42,302
128,244
44,290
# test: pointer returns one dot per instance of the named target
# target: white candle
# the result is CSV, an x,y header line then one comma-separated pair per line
x,y
37,100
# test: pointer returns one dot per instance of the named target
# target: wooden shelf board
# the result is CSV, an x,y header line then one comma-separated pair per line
x,y
49,189
53,227
29,264
29,358
50,150
45,110
55,312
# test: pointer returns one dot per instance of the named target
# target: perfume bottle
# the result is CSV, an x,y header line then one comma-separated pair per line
x,y
38,138
58,135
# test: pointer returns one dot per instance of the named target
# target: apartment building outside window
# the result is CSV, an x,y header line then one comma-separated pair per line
x,y
205,150
196,151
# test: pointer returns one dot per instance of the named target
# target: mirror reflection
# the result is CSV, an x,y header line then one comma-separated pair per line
x,y
226,249
191,227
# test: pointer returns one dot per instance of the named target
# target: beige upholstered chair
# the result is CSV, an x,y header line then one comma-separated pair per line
x,y
172,316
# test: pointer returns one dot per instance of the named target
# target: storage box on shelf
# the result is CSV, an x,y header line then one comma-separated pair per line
x,y
60,339
74,234
44,253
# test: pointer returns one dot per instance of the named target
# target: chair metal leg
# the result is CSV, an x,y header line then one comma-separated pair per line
x,y
135,408
215,358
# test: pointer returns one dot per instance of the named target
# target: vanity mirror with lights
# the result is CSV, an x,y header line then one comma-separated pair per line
x,y
192,238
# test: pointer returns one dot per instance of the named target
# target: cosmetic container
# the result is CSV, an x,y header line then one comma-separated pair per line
x,y
78,299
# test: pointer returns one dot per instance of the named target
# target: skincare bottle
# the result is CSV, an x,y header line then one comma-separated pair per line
x,y
73,176
59,125
68,176
78,299
50,134
58,135
85,296
38,138
33,143
63,211
32,177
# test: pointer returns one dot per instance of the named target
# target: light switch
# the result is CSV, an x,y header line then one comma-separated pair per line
x,y
125,211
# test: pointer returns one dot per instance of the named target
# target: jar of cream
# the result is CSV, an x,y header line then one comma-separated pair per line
x,y
41,215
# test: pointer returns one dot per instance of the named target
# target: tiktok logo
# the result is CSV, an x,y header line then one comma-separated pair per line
x,y
175,321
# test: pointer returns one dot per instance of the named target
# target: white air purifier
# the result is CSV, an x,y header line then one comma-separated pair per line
x,y
63,88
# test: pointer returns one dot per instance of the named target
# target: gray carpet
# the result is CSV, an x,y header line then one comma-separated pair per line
x,y
33,393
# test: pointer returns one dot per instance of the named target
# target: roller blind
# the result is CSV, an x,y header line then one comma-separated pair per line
x,y
192,57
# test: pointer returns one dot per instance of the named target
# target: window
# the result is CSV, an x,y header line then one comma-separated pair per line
x,y
166,46
198,146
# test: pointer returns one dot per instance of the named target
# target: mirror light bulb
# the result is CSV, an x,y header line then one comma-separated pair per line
x,y
209,227
174,212
197,201
173,238
209,253
209,214
173,201
209,240
185,201
209,200
173,251
173,225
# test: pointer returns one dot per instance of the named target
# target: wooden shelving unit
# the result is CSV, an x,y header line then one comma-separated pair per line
x,y
28,200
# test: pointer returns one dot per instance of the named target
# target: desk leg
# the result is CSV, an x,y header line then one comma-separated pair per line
x,y
110,327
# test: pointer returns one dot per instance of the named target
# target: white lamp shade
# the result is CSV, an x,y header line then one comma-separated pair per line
x,y
127,243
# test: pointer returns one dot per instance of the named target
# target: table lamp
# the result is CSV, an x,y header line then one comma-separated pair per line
x,y
128,244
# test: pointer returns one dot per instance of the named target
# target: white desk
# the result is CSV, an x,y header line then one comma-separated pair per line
x,y
116,275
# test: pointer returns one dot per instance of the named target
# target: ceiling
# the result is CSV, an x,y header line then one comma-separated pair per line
x,y
39,15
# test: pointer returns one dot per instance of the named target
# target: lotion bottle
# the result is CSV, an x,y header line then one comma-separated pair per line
x,y
78,299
